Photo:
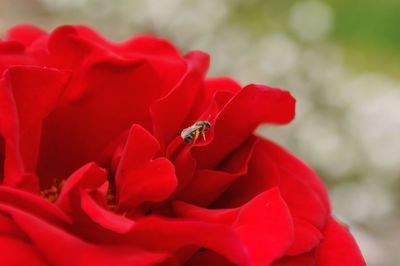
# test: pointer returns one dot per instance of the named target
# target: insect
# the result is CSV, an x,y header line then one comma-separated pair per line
x,y
193,132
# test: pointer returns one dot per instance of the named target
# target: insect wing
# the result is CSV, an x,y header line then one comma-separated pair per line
x,y
187,131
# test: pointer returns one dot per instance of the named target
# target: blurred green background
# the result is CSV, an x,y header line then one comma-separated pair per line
x,y
341,60
367,30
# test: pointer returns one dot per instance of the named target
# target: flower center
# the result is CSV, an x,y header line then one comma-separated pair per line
x,y
111,201
52,193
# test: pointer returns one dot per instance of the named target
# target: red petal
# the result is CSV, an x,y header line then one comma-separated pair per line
x,y
16,252
262,175
11,48
299,169
162,56
9,228
71,46
264,225
83,197
89,176
87,129
2,158
25,34
251,106
176,110
103,217
305,259
28,94
208,185
186,210
217,85
305,196
60,248
66,49
307,237
207,257
338,247
32,203
172,235
184,164
151,46
139,178
13,53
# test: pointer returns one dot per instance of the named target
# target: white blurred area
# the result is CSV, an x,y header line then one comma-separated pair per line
x,y
347,124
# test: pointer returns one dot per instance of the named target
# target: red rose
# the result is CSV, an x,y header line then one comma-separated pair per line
x,y
94,170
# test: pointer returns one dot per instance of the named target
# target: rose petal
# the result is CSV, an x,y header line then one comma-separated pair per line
x,y
160,234
264,224
251,106
151,46
338,247
87,124
13,53
305,259
66,49
85,129
88,176
207,257
16,252
174,112
305,195
8,48
185,165
186,210
298,168
262,174
306,235
103,217
2,158
60,248
32,203
83,197
139,178
208,185
9,228
25,34
300,187
214,86
22,115
308,213
161,54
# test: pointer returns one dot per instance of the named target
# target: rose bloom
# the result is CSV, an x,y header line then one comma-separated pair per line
x,y
94,171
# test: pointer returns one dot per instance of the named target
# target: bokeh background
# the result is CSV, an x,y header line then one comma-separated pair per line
x,y
341,60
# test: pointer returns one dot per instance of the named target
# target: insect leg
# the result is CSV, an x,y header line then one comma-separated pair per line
x,y
204,135
196,135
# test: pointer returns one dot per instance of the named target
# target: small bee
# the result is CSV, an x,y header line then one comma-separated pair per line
x,y
193,132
